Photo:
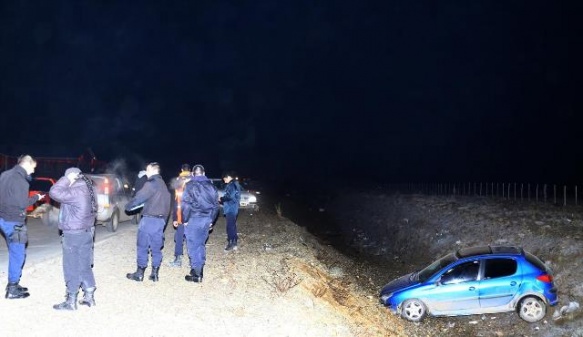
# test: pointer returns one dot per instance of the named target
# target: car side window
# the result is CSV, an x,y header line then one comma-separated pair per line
x,y
467,271
500,268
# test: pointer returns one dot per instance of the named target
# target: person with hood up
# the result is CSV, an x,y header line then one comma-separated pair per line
x,y
77,215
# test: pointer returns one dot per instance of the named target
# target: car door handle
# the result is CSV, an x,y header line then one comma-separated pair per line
x,y
513,283
472,288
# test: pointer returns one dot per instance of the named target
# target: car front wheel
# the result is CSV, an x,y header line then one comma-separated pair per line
x,y
532,309
413,310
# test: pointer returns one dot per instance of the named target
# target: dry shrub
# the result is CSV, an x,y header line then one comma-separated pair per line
x,y
282,280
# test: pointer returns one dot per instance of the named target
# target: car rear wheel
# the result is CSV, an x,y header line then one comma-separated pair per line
x,y
413,310
113,222
532,309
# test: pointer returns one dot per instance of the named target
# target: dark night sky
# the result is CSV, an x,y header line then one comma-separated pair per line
x,y
300,90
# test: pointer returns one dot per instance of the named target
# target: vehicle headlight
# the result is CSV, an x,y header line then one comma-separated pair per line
x,y
385,298
252,198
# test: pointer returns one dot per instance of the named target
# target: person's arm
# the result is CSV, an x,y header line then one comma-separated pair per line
x,y
141,197
61,192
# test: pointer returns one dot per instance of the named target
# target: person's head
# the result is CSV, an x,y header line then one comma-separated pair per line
x,y
185,168
72,173
198,170
27,163
228,176
152,169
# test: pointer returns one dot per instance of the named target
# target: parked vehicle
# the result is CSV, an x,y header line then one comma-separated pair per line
x,y
248,197
112,194
477,280
40,185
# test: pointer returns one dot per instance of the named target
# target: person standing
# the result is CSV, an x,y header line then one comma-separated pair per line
x,y
14,200
177,185
230,201
200,206
77,222
155,198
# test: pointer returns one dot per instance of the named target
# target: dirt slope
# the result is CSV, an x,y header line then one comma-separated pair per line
x,y
277,284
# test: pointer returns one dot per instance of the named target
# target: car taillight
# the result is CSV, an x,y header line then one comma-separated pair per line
x,y
546,278
106,186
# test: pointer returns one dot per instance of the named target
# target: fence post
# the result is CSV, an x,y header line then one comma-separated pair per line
x,y
514,191
564,195
537,193
521,191
576,202
528,198
554,194
545,192
508,192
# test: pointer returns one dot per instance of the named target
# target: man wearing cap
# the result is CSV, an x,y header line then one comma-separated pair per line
x,y
177,185
200,206
77,214
155,198
14,200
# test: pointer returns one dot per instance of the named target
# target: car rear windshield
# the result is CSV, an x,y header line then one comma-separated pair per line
x,y
535,261
40,185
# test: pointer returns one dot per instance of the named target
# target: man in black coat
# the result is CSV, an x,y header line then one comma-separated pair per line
x,y
14,200
155,198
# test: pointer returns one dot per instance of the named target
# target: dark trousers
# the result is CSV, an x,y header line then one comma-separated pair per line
x,y
78,260
197,232
150,237
231,226
178,240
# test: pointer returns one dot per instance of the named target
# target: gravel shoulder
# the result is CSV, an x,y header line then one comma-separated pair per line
x,y
275,284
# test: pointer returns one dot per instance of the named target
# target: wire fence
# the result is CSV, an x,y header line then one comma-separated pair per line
x,y
520,192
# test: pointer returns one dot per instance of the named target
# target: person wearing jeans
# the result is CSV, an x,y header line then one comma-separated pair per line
x,y
14,200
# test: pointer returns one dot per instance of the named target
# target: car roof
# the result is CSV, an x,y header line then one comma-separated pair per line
x,y
489,250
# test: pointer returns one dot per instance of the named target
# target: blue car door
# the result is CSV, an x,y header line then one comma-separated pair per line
x,y
500,283
457,290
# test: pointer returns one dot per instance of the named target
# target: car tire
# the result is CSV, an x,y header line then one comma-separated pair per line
x,y
413,310
112,224
532,309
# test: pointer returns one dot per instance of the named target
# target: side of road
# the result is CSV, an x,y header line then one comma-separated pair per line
x,y
273,285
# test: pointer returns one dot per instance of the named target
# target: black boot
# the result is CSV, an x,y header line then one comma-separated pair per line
x,y
194,276
13,291
231,245
88,297
69,304
154,275
138,275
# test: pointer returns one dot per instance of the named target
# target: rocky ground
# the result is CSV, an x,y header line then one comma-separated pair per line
x,y
285,281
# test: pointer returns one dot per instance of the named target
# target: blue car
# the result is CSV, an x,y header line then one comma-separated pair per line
x,y
477,280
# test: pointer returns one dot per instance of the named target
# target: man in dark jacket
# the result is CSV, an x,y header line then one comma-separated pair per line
x,y
230,201
77,222
155,198
14,200
200,205
177,185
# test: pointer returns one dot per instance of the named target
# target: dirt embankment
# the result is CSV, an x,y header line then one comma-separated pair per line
x,y
401,233
281,282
